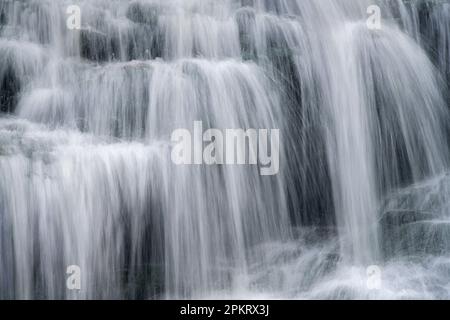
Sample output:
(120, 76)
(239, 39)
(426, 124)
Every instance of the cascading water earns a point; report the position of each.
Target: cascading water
(86, 176)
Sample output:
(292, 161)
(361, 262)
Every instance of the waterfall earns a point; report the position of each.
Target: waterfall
(86, 177)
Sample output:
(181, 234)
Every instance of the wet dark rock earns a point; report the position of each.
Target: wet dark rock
(313, 235)
(245, 19)
(3, 17)
(98, 46)
(414, 233)
(430, 196)
(424, 237)
(9, 90)
(145, 13)
(295, 259)
(432, 18)
(247, 3)
(143, 281)
(401, 217)
(438, 38)
(144, 42)
(44, 27)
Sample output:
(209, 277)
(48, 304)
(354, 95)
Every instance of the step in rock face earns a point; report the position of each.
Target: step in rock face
(19, 61)
(416, 220)
(394, 219)
(431, 196)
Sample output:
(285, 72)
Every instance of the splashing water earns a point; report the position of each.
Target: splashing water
(86, 177)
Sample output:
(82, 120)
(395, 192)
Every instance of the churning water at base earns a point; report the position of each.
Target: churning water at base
(86, 177)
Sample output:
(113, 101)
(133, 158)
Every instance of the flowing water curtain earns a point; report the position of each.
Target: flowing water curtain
(209, 218)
